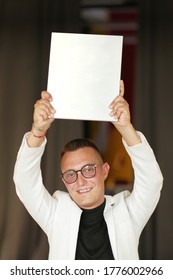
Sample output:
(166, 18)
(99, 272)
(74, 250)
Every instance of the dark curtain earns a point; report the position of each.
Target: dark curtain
(153, 114)
(25, 31)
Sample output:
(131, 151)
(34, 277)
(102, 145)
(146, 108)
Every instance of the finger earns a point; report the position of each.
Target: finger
(119, 104)
(121, 88)
(121, 94)
(47, 107)
(111, 106)
(41, 115)
(44, 104)
(119, 107)
(46, 95)
(116, 112)
(119, 99)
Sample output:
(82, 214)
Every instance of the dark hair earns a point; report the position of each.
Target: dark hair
(79, 143)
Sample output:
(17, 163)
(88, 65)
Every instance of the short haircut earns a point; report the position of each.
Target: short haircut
(79, 143)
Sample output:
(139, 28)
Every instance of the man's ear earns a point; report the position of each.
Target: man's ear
(105, 169)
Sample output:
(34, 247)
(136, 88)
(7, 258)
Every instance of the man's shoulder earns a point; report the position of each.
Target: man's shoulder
(61, 194)
(115, 199)
(65, 202)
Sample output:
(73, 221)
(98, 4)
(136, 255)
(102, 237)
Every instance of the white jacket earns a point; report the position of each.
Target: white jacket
(125, 214)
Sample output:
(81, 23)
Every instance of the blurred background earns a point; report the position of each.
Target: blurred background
(147, 70)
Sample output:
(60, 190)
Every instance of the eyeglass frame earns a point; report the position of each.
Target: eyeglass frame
(80, 170)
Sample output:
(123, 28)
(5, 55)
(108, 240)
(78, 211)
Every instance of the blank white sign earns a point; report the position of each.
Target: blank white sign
(84, 75)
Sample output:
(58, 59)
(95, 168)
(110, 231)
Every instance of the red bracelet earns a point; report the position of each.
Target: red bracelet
(42, 136)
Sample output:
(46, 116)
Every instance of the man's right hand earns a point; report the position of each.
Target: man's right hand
(43, 113)
(42, 118)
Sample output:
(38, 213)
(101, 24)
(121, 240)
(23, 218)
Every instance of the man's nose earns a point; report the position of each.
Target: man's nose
(81, 179)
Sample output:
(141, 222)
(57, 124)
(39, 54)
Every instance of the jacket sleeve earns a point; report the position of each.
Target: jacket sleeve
(29, 185)
(148, 182)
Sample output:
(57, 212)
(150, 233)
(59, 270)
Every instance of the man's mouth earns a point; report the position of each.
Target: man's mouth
(86, 190)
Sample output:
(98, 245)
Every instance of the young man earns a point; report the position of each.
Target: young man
(83, 223)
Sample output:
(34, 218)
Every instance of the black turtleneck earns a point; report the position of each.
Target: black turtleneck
(93, 240)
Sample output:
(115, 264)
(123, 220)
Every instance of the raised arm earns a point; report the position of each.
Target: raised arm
(148, 178)
(27, 172)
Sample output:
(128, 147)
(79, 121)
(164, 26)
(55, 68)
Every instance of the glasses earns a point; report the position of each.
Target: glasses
(87, 171)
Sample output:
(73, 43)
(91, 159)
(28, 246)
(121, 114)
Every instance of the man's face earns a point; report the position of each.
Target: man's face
(87, 193)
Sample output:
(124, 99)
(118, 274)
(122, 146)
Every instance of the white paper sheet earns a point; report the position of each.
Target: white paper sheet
(84, 75)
